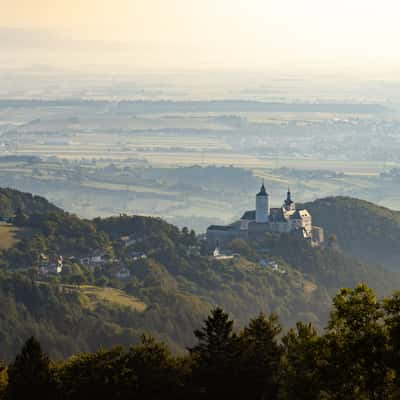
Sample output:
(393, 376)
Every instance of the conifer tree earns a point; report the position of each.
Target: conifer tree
(216, 357)
(156, 373)
(302, 359)
(30, 375)
(260, 358)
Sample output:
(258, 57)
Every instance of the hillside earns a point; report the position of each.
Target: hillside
(169, 281)
(363, 229)
(13, 200)
(61, 318)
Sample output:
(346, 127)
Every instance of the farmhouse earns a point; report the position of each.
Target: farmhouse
(47, 267)
(255, 223)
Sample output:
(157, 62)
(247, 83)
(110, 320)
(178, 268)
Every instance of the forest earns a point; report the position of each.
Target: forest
(173, 284)
(356, 356)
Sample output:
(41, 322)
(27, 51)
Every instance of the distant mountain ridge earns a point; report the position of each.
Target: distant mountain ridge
(224, 105)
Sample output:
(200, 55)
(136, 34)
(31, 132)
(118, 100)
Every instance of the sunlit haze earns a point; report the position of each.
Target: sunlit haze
(357, 36)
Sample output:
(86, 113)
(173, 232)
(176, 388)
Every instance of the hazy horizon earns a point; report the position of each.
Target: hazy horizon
(313, 37)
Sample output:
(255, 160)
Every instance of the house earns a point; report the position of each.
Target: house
(226, 255)
(7, 219)
(193, 251)
(137, 255)
(97, 257)
(44, 260)
(123, 273)
(129, 240)
(46, 267)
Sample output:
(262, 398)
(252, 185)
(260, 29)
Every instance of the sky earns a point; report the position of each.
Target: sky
(358, 36)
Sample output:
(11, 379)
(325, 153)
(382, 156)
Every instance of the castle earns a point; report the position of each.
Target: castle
(255, 223)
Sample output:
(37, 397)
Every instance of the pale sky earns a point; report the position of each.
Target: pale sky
(326, 35)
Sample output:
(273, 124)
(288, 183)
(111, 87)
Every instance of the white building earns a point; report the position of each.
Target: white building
(262, 206)
(123, 273)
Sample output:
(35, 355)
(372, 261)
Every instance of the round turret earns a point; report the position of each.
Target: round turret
(262, 205)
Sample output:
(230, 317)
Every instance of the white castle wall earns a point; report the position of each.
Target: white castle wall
(262, 209)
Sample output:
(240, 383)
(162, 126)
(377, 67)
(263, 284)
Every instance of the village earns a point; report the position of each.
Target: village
(98, 259)
(118, 264)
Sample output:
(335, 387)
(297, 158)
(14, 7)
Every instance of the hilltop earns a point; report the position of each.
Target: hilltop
(125, 275)
(13, 200)
(363, 229)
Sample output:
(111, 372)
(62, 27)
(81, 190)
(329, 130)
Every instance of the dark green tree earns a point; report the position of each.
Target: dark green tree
(151, 372)
(216, 357)
(302, 360)
(20, 218)
(391, 307)
(93, 375)
(260, 358)
(30, 375)
(358, 347)
(3, 379)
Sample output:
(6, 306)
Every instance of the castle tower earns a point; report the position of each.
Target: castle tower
(289, 203)
(262, 205)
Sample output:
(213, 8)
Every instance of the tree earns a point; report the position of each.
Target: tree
(260, 358)
(93, 375)
(30, 375)
(215, 357)
(301, 364)
(33, 273)
(357, 345)
(156, 374)
(391, 307)
(3, 379)
(20, 218)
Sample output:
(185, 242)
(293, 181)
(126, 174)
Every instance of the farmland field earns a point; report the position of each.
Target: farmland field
(198, 162)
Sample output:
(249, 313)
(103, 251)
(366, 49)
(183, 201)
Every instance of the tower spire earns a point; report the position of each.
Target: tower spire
(262, 192)
(289, 204)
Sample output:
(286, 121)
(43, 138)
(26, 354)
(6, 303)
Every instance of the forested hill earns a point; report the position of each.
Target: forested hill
(363, 229)
(126, 275)
(12, 201)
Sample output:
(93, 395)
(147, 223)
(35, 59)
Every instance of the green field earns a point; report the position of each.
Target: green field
(95, 295)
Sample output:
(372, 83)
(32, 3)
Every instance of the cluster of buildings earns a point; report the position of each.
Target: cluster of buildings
(101, 258)
(49, 266)
(254, 224)
(97, 259)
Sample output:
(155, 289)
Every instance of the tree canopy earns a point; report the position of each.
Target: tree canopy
(355, 357)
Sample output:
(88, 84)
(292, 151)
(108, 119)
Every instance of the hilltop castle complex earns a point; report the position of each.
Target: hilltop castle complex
(255, 223)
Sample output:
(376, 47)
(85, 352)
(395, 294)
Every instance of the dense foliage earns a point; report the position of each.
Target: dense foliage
(59, 317)
(363, 229)
(328, 266)
(355, 357)
(13, 200)
(53, 233)
(176, 283)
